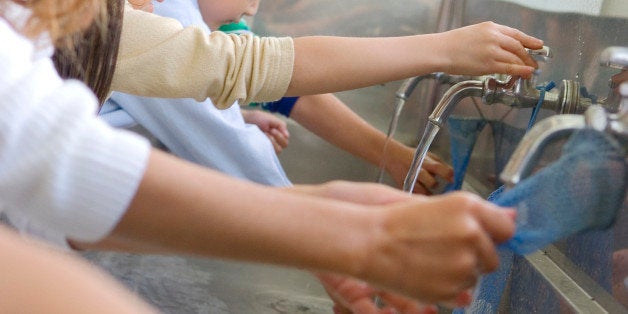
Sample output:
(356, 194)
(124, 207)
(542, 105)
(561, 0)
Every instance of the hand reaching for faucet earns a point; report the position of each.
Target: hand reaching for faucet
(326, 64)
(487, 48)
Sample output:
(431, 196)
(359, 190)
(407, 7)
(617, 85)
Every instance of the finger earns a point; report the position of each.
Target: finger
(281, 127)
(439, 168)
(434, 157)
(497, 222)
(427, 179)
(279, 138)
(488, 259)
(525, 39)
(524, 71)
(463, 299)
(364, 305)
(276, 146)
(339, 309)
(516, 52)
(420, 189)
(403, 304)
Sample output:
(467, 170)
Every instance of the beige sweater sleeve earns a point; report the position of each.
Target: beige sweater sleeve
(160, 58)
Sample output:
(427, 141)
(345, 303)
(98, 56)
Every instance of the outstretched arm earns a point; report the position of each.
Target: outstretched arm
(186, 63)
(327, 64)
(328, 117)
(396, 246)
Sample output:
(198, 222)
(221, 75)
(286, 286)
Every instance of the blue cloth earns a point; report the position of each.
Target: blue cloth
(463, 133)
(581, 191)
(198, 132)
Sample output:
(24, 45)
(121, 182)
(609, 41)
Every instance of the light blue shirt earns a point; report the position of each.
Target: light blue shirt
(197, 131)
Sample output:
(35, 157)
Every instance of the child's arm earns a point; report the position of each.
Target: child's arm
(396, 243)
(39, 279)
(327, 64)
(328, 117)
(161, 59)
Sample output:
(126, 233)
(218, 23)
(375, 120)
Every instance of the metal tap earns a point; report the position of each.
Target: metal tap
(515, 92)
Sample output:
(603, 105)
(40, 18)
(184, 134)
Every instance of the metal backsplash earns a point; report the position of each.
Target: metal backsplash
(597, 263)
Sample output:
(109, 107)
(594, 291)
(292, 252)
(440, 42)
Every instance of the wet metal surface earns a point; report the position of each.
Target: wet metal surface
(188, 285)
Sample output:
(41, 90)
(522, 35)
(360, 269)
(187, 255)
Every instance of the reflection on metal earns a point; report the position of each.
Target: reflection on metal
(615, 57)
(575, 287)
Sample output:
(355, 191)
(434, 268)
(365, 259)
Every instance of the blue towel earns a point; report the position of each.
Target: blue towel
(582, 191)
(463, 133)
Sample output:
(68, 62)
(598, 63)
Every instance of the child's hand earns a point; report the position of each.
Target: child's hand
(355, 296)
(398, 163)
(488, 48)
(271, 125)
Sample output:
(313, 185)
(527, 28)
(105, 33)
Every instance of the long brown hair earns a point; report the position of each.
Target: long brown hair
(91, 55)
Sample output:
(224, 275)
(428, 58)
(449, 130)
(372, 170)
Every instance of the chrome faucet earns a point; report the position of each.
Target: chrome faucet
(515, 92)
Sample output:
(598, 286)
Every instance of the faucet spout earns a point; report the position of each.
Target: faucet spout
(452, 97)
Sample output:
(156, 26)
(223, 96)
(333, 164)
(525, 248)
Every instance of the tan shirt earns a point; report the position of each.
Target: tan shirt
(160, 58)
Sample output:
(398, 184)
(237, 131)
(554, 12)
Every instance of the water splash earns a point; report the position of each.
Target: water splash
(389, 135)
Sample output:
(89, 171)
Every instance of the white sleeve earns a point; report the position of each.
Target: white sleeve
(63, 173)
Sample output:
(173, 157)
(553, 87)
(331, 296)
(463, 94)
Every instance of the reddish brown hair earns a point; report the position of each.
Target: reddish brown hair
(60, 18)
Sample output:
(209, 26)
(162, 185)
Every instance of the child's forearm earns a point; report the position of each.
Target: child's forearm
(200, 212)
(37, 279)
(390, 240)
(328, 117)
(327, 64)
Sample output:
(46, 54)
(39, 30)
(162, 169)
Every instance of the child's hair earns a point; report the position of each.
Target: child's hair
(91, 55)
(59, 18)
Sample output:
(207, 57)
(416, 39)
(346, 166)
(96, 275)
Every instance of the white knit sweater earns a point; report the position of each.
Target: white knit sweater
(63, 173)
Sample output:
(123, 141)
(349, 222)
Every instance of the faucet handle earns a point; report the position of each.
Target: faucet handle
(615, 57)
(542, 54)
